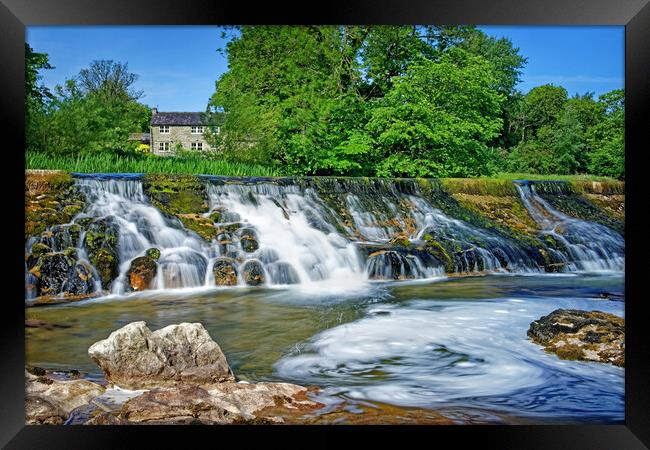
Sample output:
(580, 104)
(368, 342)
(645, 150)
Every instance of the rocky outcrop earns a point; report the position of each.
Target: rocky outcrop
(225, 403)
(100, 242)
(581, 335)
(50, 401)
(59, 274)
(190, 381)
(134, 357)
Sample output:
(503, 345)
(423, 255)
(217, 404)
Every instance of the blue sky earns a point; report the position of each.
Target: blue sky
(178, 65)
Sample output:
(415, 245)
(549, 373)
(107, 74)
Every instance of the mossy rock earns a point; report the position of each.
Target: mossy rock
(438, 251)
(225, 272)
(39, 249)
(100, 242)
(202, 226)
(581, 335)
(176, 194)
(153, 253)
(401, 240)
(51, 198)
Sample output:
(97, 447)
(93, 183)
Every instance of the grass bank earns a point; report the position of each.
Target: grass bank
(124, 163)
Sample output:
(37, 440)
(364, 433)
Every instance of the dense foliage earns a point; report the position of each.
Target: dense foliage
(96, 111)
(404, 101)
(423, 101)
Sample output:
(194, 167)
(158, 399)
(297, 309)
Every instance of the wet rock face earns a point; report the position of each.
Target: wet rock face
(225, 272)
(60, 273)
(248, 240)
(50, 401)
(389, 265)
(224, 403)
(51, 198)
(141, 273)
(100, 243)
(253, 273)
(581, 335)
(133, 357)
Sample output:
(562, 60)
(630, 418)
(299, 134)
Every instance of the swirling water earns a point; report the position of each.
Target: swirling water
(451, 345)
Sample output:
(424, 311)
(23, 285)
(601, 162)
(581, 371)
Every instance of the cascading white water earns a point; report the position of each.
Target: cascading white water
(425, 219)
(589, 246)
(183, 260)
(296, 242)
(288, 235)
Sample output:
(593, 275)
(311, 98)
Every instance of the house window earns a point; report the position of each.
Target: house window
(163, 146)
(164, 129)
(197, 145)
(197, 130)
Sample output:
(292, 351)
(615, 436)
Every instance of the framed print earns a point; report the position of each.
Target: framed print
(393, 218)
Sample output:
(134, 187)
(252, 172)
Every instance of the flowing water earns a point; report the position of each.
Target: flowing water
(456, 345)
(330, 312)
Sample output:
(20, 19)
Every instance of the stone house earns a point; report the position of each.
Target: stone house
(168, 129)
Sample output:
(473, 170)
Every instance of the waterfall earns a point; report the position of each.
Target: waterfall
(588, 246)
(318, 235)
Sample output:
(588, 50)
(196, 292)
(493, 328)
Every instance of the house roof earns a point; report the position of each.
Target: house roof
(179, 118)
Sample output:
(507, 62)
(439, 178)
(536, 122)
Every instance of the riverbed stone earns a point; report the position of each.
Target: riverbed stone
(223, 403)
(50, 401)
(225, 272)
(134, 357)
(141, 273)
(581, 335)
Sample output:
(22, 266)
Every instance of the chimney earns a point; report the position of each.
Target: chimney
(154, 110)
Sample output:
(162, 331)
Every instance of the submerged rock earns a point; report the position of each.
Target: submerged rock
(253, 273)
(581, 335)
(283, 273)
(133, 357)
(50, 401)
(225, 272)
(142, 272)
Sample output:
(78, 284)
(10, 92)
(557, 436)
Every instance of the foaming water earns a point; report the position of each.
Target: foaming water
(430, 353)
(589, 246)
(292, 231)
(294, 238)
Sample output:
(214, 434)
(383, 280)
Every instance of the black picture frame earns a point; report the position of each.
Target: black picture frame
(15, 15)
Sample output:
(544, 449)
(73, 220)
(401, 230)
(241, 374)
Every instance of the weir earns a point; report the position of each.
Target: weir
(301, 232)
(588, 246)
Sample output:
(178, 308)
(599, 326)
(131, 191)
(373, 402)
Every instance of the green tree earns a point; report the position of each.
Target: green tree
(37, 98)
(94, 119)
(438, 119)
(607, 137)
